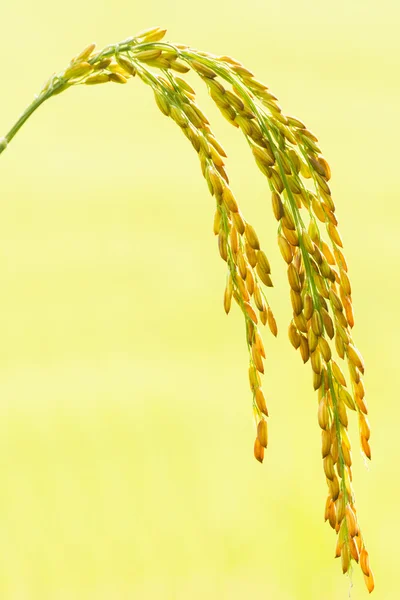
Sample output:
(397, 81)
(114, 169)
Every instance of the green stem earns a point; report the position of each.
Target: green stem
(27, 113)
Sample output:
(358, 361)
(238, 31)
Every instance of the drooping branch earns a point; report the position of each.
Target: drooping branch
(288, 155)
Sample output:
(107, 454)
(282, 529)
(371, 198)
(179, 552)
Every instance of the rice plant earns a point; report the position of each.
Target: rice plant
(289, 156)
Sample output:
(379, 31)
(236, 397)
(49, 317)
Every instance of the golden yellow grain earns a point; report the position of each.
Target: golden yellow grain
(214, 179)
(300, 323)
(251, 255)
(260, 401)
(327, 506)
(294, 122)
(304, 349)
(327, 253)
(245, 125)
(257, 359)
(337, 373)
(294, 186)
(351, 521)
(179, 67)
(334, 235)
(86, 53)
(364, 426)
(264, 276)
(96, 79)
(114, 67)
(328, 324)
(291, 236)
(77, 70)
(323, 414)
(162, 103)
(258, 299)
(222, 245)
(287, 220)
(126, 65)
(241, 286)
(202, 69)
(254, 378)
(252, 237)
(102, 64)
(146, 55)
(239, 222)
(118, 78)
(317, 380)
(325, 349)
(366, 447)
(259, 344)
(272, 322)
(316, 323)
(304, 170)
(355, 357)
(214, 143)
(334, 439)
(277, 206)
(263, 261)
(348, 308)
(312, 340)
(263, 156)
(364, 562)
(276, 181)
(329, 467)
(228, 294)
(345, 397)
(250, 312)
(318, 209)
(217, 222)
(332, 514)
(263, 316)
(154, 34)
(369, 581)
(355, 375)
(346, 455)
(317, 165)
(250, 328)
(297, 302)
(340, 259)
(334, 487)
(294, 336)
(262, 433)
(316, 363)
(345, 554)
(326, 443)
(234, 241)
(250, 283)
(258, 450)
(360, 388)
(293, 277)
(285, 249)
(340, 508)
(326, 167)
(308, 243)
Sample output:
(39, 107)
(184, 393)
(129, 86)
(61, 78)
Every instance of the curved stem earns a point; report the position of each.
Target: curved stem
(26, 114)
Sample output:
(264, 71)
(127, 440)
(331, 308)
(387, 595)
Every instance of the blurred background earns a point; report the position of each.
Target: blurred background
(126, 429)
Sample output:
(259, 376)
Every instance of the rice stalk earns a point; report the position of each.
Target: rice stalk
(288, 155)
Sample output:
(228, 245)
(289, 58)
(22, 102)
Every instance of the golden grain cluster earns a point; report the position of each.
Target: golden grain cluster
(288, 155)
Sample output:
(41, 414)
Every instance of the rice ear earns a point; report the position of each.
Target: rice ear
(289, 159)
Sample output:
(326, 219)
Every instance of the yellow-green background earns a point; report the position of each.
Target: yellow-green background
(126, 432)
